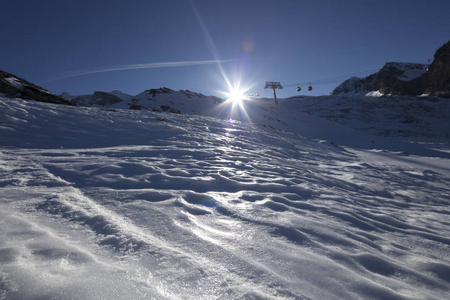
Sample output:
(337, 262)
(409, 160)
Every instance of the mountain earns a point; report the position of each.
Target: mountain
(14, 86)
(159, 100)
(98, 98)
(404, 79)
(437, 80)
(391, 77)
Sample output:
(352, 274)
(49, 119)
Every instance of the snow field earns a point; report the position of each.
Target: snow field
(99, 204)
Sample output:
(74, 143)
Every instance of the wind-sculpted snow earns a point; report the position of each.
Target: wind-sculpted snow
(99, 204)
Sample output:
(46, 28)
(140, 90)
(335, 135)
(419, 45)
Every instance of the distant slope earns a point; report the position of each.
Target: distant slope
(390, 121)
(98, 98)
(158, 100)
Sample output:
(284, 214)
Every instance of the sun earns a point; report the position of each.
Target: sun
(236, 95)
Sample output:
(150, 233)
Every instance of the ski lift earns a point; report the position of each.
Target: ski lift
(310, 87)
(257, 94)
(299, 89)
(251, 94)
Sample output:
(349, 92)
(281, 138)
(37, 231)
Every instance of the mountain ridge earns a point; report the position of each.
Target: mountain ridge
(14, 86)
(407, 79)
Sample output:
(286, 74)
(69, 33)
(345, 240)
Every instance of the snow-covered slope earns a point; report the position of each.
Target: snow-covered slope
(411, 118)
(279, 203)
(416, 117)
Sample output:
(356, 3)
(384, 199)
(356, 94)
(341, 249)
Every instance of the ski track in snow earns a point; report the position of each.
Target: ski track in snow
(122, 204)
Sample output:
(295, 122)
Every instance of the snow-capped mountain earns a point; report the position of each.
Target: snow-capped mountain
(14, 86)
(404, 79)
(383, 81)
(313, 198)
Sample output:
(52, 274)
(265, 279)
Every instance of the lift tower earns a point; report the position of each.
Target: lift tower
(273, 86)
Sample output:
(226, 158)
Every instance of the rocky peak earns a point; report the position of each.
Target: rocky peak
(438, 75)
(163, 90)
(14, 86)
(391, 77)
(403, 71)
(405, 78)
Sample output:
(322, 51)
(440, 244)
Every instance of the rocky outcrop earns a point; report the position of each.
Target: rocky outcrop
(13, 86)
(163, 90)
(393, 78)
(405, 78)
(437, 79)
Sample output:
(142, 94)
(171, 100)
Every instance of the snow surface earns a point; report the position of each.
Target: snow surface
(282, 202)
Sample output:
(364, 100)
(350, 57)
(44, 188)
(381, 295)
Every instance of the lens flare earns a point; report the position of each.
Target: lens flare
(236, 95)
(236, 101)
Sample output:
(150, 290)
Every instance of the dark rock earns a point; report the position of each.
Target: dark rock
(437, 79)
(13, 86)
(163, 90)
(135, 107)
(393, 78)
(167, 108)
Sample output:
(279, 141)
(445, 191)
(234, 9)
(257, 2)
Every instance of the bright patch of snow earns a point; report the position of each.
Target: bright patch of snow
(14, 82)
(301, 200)
(375, 94)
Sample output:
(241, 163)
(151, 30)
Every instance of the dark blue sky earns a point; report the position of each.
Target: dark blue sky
(90, 45)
